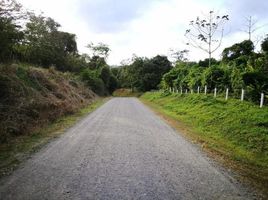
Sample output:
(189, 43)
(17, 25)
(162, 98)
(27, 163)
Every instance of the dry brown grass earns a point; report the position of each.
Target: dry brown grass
(31, 97)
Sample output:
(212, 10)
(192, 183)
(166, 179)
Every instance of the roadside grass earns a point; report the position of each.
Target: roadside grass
(20, 148)
(233, 132)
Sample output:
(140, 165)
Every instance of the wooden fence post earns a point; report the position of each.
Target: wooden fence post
(215, 92)
(242, 95)
(227, 93)
(262, 100)
(206, 88)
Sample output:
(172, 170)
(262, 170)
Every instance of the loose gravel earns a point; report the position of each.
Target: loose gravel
(121, 151)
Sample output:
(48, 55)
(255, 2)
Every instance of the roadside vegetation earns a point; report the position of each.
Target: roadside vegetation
(44, 78)
(234, 130)
(44, 81)
(42, 75)
(15, 151)
(32, 97)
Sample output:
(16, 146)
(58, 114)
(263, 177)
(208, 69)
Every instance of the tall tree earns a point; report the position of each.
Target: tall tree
(237, 50)
(251, 26)
(45, 45)
(178, 55)
(206, 34)
(10, 34)
(144, 74)
(100, 49)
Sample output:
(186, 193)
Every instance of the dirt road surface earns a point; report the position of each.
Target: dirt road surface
(121, 151)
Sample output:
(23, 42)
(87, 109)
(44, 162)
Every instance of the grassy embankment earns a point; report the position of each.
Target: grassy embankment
(233, 132)
(37, 105)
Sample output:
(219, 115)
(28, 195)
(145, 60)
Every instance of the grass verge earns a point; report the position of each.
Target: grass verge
(20, 148)
(232, 132)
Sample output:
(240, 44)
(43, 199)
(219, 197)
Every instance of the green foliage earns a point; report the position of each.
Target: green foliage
(93, 81)
(105, 75)
(216, 77)
(256, 83)
(205, 63)
(244, 48)
(113, 84)
(194, 77)
(10, 33)
(99, 50)
(45, 45)
(237, 81)
(177, 76)
(101, 81)
(264, 45)
(143, 74)
(240, 68)
(40, 42)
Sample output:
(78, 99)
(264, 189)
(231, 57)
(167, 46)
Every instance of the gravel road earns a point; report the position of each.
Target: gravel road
(120, 151)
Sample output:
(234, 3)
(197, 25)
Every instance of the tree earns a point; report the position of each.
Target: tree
(146, 74)
(153, 71)
(39, 43)
(45, 45)
(179, 55)
(100, 50)
(105, 75)
(256, 83)
(215, 77)
(205, 63)
(264, 45)
(10, 34)
(251, 26)
(203, 33)
(176, 76)
(237, 50)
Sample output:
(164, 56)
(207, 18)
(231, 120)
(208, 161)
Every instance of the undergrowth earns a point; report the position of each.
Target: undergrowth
(20, 148)
(31, 97)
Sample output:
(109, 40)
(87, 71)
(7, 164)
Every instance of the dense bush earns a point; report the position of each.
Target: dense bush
(143, 74)
(240, 68)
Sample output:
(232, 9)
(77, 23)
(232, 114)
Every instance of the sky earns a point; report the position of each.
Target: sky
(149, 27)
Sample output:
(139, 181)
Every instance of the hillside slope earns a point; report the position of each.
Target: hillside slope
(233, 132)
(30, 97)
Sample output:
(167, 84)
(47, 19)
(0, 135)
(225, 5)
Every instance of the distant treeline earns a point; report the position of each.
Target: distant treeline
(239, 68)
(36, 39)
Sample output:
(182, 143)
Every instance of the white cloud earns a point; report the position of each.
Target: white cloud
(154, 30)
